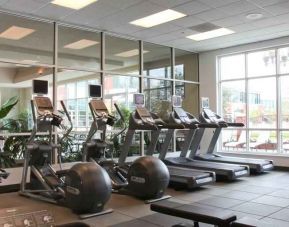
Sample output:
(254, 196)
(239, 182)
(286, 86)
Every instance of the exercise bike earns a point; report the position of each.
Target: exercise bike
(84, 188)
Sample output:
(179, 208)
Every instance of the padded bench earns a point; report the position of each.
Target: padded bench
(250, 222)
(213, 216)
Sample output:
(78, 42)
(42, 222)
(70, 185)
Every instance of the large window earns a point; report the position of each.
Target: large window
(254, 90)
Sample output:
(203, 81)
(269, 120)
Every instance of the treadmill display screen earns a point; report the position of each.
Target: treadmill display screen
(94, 91)
(177, 101)
(180, 112)
(139, 99)
(143, 112)
(40, 87)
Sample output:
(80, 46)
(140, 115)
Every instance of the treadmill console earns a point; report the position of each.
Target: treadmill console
(144, 115)
(182, 115)
(213, 117)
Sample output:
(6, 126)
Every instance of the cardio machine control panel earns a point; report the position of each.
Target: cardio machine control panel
(16, 217)
(43, 104)
(144, 115)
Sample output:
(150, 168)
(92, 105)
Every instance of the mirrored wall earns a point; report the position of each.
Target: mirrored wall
(71, 58)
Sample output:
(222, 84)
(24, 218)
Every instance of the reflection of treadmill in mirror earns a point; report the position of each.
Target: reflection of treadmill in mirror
(256, 165)
(222, 170)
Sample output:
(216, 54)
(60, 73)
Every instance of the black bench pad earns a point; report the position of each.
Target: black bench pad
(195, 213)
(250, 222)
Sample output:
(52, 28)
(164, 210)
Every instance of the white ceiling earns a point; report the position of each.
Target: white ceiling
(114, 16)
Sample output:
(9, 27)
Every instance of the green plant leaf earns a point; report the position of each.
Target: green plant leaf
(7, 106)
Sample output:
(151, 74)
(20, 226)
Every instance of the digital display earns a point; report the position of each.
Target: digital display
(94, 91)
(205, 102)
(139, 99)
(40, 87)
(176, 101)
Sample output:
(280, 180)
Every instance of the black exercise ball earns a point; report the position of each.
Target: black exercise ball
(148, 177)
(88, 188)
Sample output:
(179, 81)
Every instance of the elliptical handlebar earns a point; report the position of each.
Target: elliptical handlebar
(119, 112)
(122, 119)
(69, 119)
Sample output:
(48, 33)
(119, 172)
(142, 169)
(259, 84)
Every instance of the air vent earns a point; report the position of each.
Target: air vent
(205, 27)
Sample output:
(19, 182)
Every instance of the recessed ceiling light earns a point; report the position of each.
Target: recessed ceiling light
(81, 44)
(16, 33)
(73, 4)
(211, 34)
(254, 16)
(130, 53)
(158, 18)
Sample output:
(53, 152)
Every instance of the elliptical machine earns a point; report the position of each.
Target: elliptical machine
(146, 177)
(84, 188)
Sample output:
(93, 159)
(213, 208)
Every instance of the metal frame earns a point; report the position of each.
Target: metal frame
(278, 129)
(103, 73)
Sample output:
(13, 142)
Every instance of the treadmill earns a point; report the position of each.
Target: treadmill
(256, 165)
(192, 140)
(141, 119)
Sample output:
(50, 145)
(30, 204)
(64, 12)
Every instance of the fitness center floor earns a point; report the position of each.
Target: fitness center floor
(263, 196)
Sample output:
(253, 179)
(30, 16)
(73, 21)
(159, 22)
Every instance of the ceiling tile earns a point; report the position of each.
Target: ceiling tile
(25, 6)
(242, 27)
(188, 21)
(230, 21)
(169, 3)
(126, 29)
(217, 3)
(123, 17)
(284, 18)
(267, 2)
(86, 15)
(278, 9)
(192, 7)
(172, 35)
(123, 3)
(155, 31)
(52, 11)
(3, 1)
(181, 41)
(238, 7)
(266, 22)
(212, 14)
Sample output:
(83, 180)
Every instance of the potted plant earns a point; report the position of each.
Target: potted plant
(5, 157)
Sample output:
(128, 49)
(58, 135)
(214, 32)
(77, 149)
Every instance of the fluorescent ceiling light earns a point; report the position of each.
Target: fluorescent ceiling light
(211, 34)
(73, 4)
(16, 33)
(158, 18)
(81, 44)
(130, 53)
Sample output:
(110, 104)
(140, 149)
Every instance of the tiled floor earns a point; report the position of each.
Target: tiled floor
(263, 197)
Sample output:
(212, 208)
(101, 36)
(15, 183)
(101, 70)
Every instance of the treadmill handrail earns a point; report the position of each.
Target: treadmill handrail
(208, 125)
(235, 124)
